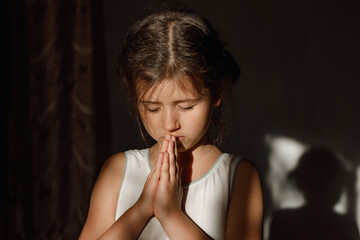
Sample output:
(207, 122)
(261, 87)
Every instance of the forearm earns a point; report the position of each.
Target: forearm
(128, 226)
(179, 226)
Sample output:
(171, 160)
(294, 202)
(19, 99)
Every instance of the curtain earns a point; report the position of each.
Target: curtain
(54, 120)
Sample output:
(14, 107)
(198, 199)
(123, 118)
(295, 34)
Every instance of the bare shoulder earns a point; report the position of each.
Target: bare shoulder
(114, 165)
(246, 170)
(103, 201)
(111, 173)
(245, 211)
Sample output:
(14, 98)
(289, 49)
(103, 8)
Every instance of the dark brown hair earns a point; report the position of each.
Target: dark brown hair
(177, 45)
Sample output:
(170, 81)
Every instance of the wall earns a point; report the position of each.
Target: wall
(300, 76)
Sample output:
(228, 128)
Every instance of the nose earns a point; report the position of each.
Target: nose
(170, 121)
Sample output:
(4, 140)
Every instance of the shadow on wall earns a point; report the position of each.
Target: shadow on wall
(320, 210)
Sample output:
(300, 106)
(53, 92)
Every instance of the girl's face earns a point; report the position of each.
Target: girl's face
(184, 113)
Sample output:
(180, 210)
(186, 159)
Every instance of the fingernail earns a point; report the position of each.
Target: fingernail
(173, 138)
(167, 137)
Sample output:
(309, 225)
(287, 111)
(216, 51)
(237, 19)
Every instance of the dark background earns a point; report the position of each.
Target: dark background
(300, 78)
(299, 62)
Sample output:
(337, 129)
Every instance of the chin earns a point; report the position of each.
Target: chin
(181, 147)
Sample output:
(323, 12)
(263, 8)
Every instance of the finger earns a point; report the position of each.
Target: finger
(164, 145)
(168, 137)
(173, 138)
(169, 147)
(177, 170)
(171, 152)
(174, 147)
(165, 168)
(176, 151)
(157, 164)
(172, 163)
(154, 175)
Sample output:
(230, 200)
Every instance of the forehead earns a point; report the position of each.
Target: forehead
(169, 89)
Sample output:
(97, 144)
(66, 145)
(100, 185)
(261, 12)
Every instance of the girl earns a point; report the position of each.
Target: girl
(183, 187)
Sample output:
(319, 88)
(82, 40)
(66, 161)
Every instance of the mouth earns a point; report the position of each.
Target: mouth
(178, 138)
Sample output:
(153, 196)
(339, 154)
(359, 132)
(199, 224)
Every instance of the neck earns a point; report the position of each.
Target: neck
(193, 159)
(194, 151)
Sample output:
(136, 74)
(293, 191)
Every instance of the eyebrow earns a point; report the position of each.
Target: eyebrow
(178, 101)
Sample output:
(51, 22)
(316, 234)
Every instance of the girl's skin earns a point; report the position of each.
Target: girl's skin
(178, 120)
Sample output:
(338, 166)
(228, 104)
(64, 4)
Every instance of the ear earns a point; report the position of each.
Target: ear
(217, 102)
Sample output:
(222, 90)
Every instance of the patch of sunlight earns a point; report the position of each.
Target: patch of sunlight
(284, 154)
(341, 206)
(357, 192)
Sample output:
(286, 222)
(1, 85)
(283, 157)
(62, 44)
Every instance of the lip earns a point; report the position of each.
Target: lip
(178, 138)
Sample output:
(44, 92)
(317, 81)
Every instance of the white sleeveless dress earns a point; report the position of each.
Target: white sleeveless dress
(206, 200)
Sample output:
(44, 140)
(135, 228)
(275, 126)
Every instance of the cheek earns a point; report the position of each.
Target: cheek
(206, 114)
(201, 120)
(150, 123)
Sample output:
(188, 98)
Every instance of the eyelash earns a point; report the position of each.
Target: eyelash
(152, 110)
(181, 108)
(187, 108)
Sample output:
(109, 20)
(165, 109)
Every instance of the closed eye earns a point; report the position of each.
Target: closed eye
(152, 110)
(151, 107)
(187, 108)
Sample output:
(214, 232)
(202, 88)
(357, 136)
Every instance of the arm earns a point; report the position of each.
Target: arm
(103, 198)
(179, 226)
(100, 221)
(245, 212)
